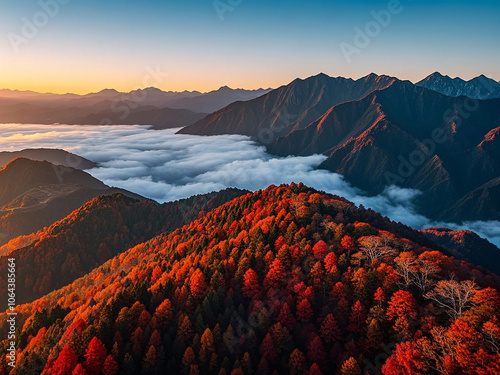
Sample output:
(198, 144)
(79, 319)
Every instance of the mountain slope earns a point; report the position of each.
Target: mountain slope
(466, 245)
(96, 232)
(284, 280)
(34, 194)
(287, 108)
(371, 141)
(477, 88)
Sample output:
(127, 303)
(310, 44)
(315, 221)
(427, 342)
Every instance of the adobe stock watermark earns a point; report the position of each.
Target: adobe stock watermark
(223, 6)
(363, 37)
(11, 315)
(32, 26)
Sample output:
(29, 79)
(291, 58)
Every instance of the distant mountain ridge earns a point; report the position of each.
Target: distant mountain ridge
(480, 87)
(150, 106)
(54, 156)
(105, 112)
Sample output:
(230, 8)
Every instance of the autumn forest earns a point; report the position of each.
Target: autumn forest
(287, 280)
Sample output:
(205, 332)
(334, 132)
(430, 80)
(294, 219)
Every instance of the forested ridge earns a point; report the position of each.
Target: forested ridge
(282, 281)
(93, 234)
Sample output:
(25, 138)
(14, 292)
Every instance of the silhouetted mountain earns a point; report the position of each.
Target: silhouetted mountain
(192, 100)
(96, 232)
(477, 88)
(215, 100)
(287, 108)
(149, 106)
(35, 194)
(287, 280)
(466, 245)
(32, 95)
(54, 156)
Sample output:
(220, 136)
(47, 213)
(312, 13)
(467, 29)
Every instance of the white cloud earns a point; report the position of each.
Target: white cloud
(164, 166)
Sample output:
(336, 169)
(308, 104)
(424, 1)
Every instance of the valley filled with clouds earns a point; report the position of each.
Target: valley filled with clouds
(165, 166)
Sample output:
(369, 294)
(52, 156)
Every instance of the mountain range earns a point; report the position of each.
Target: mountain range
(480, 87)
(379, 131)
(283, 280)
(287, 108)
(149, 106)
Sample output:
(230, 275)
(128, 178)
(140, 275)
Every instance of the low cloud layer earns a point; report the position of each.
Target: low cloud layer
(164, 166)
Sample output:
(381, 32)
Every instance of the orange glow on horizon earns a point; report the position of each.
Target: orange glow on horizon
(87, 86)
(83, 82)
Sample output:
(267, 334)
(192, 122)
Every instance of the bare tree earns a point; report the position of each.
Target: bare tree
(441, 346)
(406, 266)
(490, 332)
(453, 296)
(374, 247)
(414, 270)
(423, 278)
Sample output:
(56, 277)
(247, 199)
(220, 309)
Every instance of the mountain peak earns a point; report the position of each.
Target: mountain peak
(16, 162)
(322, 75)
(153, 89)
(480, 87)
(435, 76)
(312, 96)
(485, 80)
(22, 164)
(104, 92)
(108, 91)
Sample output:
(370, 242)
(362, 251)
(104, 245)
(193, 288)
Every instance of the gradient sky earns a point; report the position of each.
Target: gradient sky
(94, 44)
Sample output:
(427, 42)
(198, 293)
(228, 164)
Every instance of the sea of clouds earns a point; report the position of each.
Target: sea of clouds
(165, 166)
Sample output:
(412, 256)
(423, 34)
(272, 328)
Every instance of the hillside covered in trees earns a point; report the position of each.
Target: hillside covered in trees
(104, 227)
(282, 281)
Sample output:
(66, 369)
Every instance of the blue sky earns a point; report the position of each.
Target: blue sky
(89, 45)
